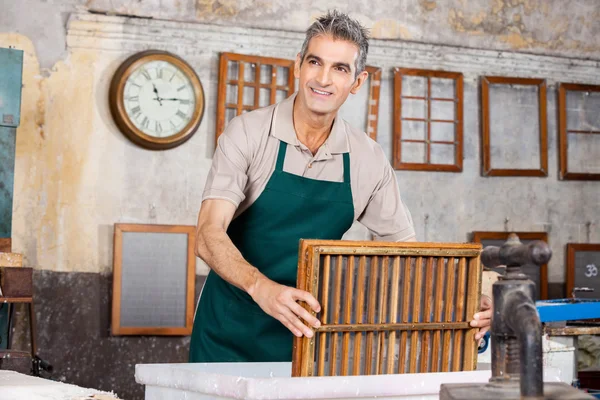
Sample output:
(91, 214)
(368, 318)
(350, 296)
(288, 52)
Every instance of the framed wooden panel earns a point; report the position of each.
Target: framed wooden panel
(428, 120)
(539, 275)
(583, 269)
(389, 308)
(154, 269)
(367, 100)
(373, 107)
(579, 131)
(250, 82)
(508, 154)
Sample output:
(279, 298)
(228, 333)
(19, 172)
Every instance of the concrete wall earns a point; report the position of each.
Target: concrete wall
(76, 174)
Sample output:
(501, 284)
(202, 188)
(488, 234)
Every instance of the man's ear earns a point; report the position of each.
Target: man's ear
(297, 66)
(360, 79)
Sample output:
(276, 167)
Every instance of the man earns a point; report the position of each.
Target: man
(281, 173)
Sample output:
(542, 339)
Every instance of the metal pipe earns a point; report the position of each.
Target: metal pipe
(523, 319)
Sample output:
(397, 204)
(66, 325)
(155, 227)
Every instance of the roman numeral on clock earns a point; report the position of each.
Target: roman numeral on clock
(146, 74)
(136, 111)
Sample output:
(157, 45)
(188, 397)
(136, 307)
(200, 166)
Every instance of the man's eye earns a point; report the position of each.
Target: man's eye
(342, 69)
(314, 62)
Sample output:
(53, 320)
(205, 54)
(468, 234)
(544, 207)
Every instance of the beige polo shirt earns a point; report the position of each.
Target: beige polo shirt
(247, 151)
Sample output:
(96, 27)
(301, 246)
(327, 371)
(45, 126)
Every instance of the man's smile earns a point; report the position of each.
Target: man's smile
(321, 92)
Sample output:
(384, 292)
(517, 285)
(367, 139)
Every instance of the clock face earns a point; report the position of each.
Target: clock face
(159, 99)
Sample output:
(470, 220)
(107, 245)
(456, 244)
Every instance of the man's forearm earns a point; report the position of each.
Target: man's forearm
(216, 249)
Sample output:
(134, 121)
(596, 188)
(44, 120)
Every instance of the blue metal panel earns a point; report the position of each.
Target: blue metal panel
(568, 309)
(11, 75)
(7, 172)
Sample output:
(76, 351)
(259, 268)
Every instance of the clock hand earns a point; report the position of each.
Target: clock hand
(172, 99)
(157, 96)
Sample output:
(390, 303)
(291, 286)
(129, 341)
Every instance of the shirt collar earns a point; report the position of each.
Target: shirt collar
(283, 128)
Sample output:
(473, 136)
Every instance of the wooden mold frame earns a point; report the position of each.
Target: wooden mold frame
(572, 249)
(486, 81)
(564, 132)
(257, 62)
(373, 107)
(399, 117)
(419, 324)
(116, 327)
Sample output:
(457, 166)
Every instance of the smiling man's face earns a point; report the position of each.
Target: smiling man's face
(327, 74)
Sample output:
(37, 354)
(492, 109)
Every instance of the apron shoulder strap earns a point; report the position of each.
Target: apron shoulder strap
(346, 167)
(281, 155)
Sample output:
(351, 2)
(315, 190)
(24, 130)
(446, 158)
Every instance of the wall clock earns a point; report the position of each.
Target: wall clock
(156, 99)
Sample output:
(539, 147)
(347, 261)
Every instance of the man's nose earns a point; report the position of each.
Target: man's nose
(324, 77)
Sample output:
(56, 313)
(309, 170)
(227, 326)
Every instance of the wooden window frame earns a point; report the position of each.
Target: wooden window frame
(259, 61)
(563, 132)
(487, 169)
(572, 248)
(479, 236)
(463, 259)
(373, 106)
(458, 122)
(116, 327)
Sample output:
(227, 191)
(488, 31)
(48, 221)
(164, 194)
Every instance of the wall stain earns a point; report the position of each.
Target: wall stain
(390, 29)
(216, 8)
(505, 20)
(428, 5)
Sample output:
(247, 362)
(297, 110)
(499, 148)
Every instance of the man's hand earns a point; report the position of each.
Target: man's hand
(279, 302)
(483, 318)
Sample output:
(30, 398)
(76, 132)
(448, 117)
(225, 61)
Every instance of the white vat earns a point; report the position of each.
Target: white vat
(269, 381)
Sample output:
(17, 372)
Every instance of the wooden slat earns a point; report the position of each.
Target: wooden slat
(406, 296)
(369, 247)
(257, 84)
(240, 101)
(399, 326)
(473, 299)
(300, 284)
(274, 84)
(416, 313)
(393, 318)
(307, 350)
(437, 310)
(347, 314)
(427, 315)
(448, 314)
(335, 306)
(359, 314)
(324, 315)
(428, 151)
(373, 274)
(383, 294)
(373, 108)
(461, 300)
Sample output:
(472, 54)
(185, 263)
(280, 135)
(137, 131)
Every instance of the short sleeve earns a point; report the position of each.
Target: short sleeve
(228, 174)
(386, 216)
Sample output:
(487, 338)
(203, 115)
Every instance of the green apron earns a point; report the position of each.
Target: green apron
(229, 326)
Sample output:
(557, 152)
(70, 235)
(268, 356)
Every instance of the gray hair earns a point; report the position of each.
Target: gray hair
(340, 26)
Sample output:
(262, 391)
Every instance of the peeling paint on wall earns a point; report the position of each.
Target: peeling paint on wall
(390, 29)
(517, 24)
